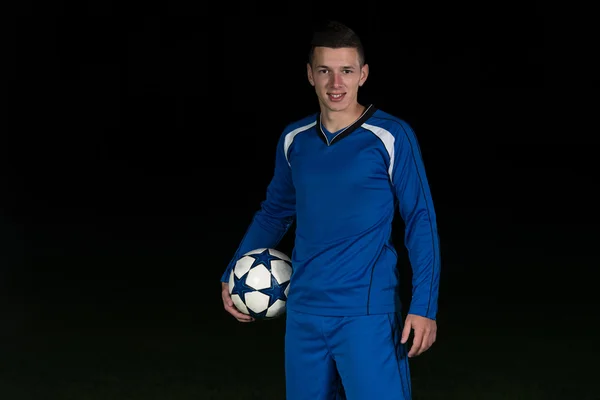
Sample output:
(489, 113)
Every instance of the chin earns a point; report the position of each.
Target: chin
(335, 106)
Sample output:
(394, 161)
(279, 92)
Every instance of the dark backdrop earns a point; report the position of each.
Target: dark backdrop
(139, 143)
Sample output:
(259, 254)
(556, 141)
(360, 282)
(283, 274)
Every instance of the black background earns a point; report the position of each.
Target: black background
(139, 142)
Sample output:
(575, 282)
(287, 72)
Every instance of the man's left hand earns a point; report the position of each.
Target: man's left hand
(425, 333)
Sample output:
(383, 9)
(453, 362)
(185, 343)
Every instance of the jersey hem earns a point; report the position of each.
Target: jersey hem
(345, 311)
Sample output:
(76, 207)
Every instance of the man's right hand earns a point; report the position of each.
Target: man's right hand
(230, 307)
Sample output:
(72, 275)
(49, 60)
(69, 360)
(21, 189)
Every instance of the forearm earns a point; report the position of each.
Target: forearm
(265, 231)
(422, 242)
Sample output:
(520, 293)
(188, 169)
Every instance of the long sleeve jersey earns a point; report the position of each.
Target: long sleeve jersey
(343, 189)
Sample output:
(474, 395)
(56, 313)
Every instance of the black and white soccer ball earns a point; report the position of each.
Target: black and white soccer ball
(259, 283)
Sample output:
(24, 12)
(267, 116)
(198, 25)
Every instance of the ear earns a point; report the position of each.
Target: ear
(309, 74)
(364, 74)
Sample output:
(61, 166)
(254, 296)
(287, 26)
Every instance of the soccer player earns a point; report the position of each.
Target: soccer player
(341, 173)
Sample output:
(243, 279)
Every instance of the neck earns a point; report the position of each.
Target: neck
(335, 120)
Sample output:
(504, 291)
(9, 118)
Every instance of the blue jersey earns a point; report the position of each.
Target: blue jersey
(343, 189)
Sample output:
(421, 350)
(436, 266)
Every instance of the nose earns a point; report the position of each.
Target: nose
(336, 80)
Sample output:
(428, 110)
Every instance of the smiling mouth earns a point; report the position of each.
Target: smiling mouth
(336, 96)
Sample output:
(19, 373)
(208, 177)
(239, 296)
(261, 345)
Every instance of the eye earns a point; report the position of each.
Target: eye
(322, 71)
(348, 71)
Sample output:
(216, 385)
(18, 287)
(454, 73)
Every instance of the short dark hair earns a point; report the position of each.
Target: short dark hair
(335, 34)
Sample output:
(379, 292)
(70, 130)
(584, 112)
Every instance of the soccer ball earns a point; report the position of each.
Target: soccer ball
(259, 283)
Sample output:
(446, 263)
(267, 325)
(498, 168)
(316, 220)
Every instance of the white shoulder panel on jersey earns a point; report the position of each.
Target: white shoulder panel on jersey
(289, 138)
(388, 141)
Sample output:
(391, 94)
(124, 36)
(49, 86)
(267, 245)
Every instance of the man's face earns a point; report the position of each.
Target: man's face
(336, 75)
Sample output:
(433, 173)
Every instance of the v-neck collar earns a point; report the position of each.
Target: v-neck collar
(342, 133)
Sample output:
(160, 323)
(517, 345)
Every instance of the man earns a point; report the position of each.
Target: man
(341, 173)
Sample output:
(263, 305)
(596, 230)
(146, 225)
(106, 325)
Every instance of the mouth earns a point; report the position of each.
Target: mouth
(335, 97)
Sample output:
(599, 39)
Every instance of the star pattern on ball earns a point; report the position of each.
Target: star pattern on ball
(276, 291)
(240, 287)
(263, 258)
(260, 315)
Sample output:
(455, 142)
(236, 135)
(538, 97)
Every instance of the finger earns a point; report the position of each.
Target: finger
(238, 315)
(426, 344)
(432, 337)
(406, 331)
(417, 343)
(414, 350)
(245, 318)
(231, 308)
